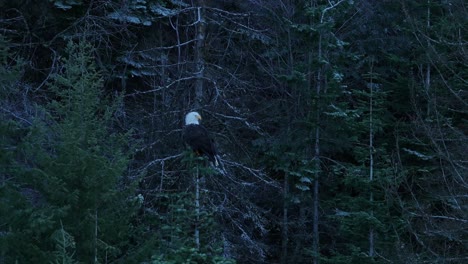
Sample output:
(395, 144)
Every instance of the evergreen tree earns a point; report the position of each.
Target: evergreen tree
(183, 226)
(341, 124)
(18, 229)
(432, 144)
(76, 165)
(359, 211)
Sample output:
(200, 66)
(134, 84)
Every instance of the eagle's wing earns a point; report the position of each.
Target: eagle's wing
(198, 138)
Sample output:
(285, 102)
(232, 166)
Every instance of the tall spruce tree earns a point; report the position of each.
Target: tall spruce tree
(13, 128)
(85, 168)
(75, 165)
(432, 148)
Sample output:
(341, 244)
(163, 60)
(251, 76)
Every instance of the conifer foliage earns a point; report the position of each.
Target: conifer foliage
(75, 167)
(341, 126)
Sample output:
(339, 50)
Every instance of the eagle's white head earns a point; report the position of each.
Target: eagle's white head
(192, 118)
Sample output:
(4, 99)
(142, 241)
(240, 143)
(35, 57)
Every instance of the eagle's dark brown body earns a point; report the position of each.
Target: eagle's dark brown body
(197, 137)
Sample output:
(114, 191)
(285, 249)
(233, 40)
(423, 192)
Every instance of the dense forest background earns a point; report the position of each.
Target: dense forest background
(342, 127)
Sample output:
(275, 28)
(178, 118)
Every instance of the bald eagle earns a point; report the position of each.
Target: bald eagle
(197, 137)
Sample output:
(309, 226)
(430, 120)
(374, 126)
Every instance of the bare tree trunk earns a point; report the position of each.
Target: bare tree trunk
(371, 160)
(285, 225)
(318, 88)
(284, 233)
(199, 73)
(316, 157)
(95, 235)
(199, 58)
(427, 79)
(315, 222)
(197, 209)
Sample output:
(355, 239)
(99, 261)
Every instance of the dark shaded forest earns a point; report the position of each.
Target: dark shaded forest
(341, 127)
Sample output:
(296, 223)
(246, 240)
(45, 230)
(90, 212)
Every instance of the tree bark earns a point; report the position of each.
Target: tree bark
(316, 157)
(197, 209)
(284, 233)
(199, 56)
(95, 235)
(371, 161)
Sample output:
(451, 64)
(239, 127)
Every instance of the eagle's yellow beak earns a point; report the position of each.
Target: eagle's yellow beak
(199, 117)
